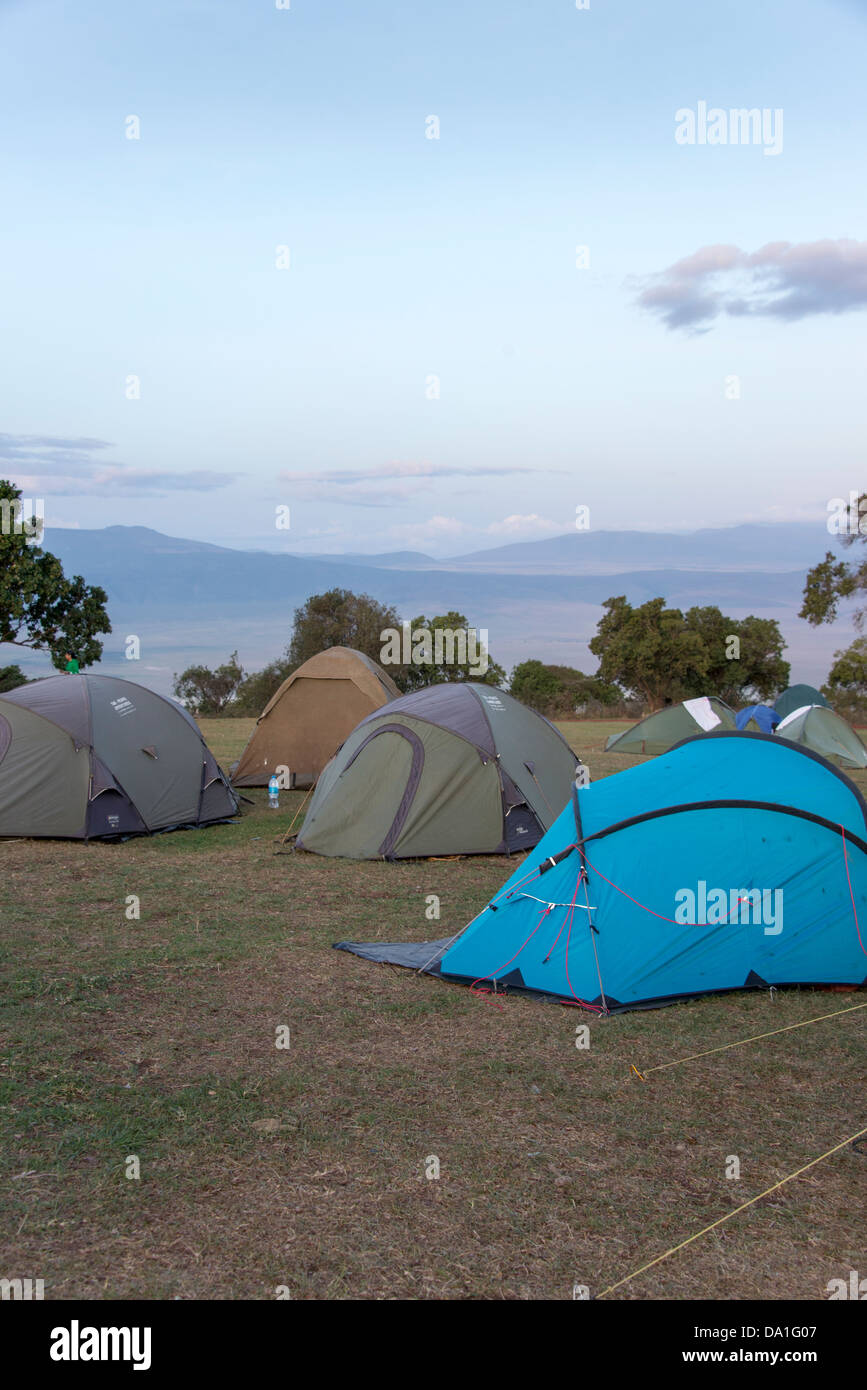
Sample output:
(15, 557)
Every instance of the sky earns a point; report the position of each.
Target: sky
(401, 276)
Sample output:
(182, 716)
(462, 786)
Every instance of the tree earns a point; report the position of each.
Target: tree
(578, 689)
(750, 667)
(535, 685)
(558, 691)
(834, 579)
(11, 677)
(206, 691)
(657, 652)
(449, 656)
(648, 651)
(39, 607)
(847, 678)
(339, 618)
(256, 690)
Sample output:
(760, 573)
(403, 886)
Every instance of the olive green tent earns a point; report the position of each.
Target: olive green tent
(819, 728)
(661, 731)
(307, 719)
(85, 756)
(796, 697)
(456, 768)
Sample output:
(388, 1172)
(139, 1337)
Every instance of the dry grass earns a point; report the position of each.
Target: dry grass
(306, 1167)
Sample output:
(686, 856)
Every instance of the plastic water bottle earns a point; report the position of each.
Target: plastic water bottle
(274, 793)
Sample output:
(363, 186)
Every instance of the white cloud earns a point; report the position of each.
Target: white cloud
(781, 280)
(436, 528)
(529, 525)
(408, 469)
(403, 481)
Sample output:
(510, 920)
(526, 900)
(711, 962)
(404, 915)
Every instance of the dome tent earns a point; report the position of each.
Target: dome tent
(757, 719)
(84, 756)
(676, 878)
(656, 733)
(307, 719)
(455, 768)
(819, 728)
(796, 697)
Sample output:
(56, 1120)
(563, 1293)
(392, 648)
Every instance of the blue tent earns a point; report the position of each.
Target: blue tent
(765, 718)
(734, 861)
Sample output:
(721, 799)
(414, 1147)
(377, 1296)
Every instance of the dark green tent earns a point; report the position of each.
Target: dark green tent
(457, 768)
(796, 697)
(661, 731)
(85, 756)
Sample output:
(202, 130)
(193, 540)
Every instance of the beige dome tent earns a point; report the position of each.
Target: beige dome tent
(313, 712)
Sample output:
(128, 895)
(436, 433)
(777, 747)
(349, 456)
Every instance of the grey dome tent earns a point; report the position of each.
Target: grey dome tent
(659, 732)
(85, 756)
(456, 768)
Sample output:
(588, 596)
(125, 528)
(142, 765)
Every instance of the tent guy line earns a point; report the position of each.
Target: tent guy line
(742, 1042)
(721, 1221)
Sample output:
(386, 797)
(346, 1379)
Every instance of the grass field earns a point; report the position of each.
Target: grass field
(306, 1167)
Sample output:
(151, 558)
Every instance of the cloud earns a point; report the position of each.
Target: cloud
(449, 528)
(531, 524)
(781, 280)
(138, 481)
(11, 444)
(364, 487)
(351, 495)
(436, 528)
(65, 468)
(403, 470)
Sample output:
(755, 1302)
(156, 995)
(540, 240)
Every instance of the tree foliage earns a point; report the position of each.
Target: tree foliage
(39, 607)
(648, 651)
(339, 618)
(660, 653)
(758, 670)
(209, 692)
(11, 677)
(834, 579)
(459, 660)
(847, 678)
(256, 689)
(559, 691)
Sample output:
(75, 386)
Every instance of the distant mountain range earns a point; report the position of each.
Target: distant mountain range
(752, 546)
(191, 601)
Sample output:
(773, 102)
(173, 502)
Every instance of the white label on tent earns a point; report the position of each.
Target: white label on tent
(702, 712)
(796, 714)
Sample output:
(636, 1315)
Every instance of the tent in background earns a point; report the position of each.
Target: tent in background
(819, 728)
(796, 697)
(456, 768)
(85, 756)
(658, 732)
(307, 719)
(757, 719)
(677, 877)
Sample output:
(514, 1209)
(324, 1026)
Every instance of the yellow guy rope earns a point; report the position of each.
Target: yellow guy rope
(711, 1050)
(297, 814)
(674, 1249)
